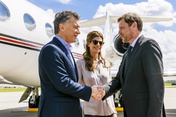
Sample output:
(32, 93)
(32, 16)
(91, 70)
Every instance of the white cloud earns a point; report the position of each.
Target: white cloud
(155, 8)
(64, 1)
(160, 8)
(150, 8)
(165, 38)
(51, 12)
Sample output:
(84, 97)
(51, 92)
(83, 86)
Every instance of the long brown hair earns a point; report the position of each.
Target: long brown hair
(87, 56)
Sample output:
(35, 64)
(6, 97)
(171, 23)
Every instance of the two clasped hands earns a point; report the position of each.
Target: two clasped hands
(97, 92)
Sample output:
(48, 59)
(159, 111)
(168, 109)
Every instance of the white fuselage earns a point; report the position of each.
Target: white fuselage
(20, 47)
(21, 41)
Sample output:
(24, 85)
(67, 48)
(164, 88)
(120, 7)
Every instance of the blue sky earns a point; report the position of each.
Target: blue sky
(164, 33)
(86, 8)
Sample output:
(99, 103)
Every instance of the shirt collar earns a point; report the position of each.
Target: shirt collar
(134, 42)
(67, 46)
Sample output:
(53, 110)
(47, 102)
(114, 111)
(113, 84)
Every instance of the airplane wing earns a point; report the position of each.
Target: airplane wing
(93, 22)
(113, 19)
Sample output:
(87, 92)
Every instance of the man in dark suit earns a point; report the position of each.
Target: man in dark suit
(60, 91)
(140, 75)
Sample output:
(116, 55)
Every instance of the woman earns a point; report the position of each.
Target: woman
(93, 69)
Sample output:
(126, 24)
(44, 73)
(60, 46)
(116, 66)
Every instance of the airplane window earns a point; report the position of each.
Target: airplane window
(77, 42)
(29, 22)
(4, 12)
(49, 30)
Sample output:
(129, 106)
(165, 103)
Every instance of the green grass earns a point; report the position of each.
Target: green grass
(12, 89)
(167, 85)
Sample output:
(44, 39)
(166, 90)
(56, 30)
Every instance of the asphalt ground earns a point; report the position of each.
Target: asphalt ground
(9, 106)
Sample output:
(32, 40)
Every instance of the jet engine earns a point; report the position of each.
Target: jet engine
(118, 46)
(116, 50)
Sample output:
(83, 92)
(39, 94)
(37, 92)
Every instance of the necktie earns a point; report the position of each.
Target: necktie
(127, 59)
(129, 52)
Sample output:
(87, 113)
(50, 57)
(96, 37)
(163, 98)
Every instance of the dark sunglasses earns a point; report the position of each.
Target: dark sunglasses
(95, 42)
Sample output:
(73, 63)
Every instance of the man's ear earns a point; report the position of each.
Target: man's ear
(61, 27)
(134, 24)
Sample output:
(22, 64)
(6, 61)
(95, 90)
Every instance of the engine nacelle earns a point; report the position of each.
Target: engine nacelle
(116, 50)
(118, 46)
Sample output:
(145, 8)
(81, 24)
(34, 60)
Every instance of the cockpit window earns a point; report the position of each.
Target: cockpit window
(4, 12)
(49, 30)
(29, 22)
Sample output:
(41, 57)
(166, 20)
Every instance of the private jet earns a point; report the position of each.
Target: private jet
(25, 28)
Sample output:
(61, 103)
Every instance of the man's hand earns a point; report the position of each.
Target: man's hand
(97, 92)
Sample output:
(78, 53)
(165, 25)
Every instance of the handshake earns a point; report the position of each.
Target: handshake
(97, 92)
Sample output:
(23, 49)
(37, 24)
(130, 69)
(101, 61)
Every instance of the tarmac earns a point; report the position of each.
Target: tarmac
(9, 106)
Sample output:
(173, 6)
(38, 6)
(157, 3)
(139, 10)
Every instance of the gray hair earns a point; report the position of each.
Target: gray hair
(62, 17)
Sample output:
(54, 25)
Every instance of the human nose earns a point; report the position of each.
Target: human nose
(119, 32)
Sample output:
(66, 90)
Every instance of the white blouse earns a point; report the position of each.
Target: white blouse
(99, 76)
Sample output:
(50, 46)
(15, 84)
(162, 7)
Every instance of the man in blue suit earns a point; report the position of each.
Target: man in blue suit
(60, 91)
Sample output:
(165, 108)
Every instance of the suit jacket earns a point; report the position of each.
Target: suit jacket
(142, 84)
(60, 91)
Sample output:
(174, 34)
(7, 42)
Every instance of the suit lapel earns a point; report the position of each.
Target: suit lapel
(75, 67)
(136, 47)
(62, 47)
(70, 56)
(122, 69)
(134, 51)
